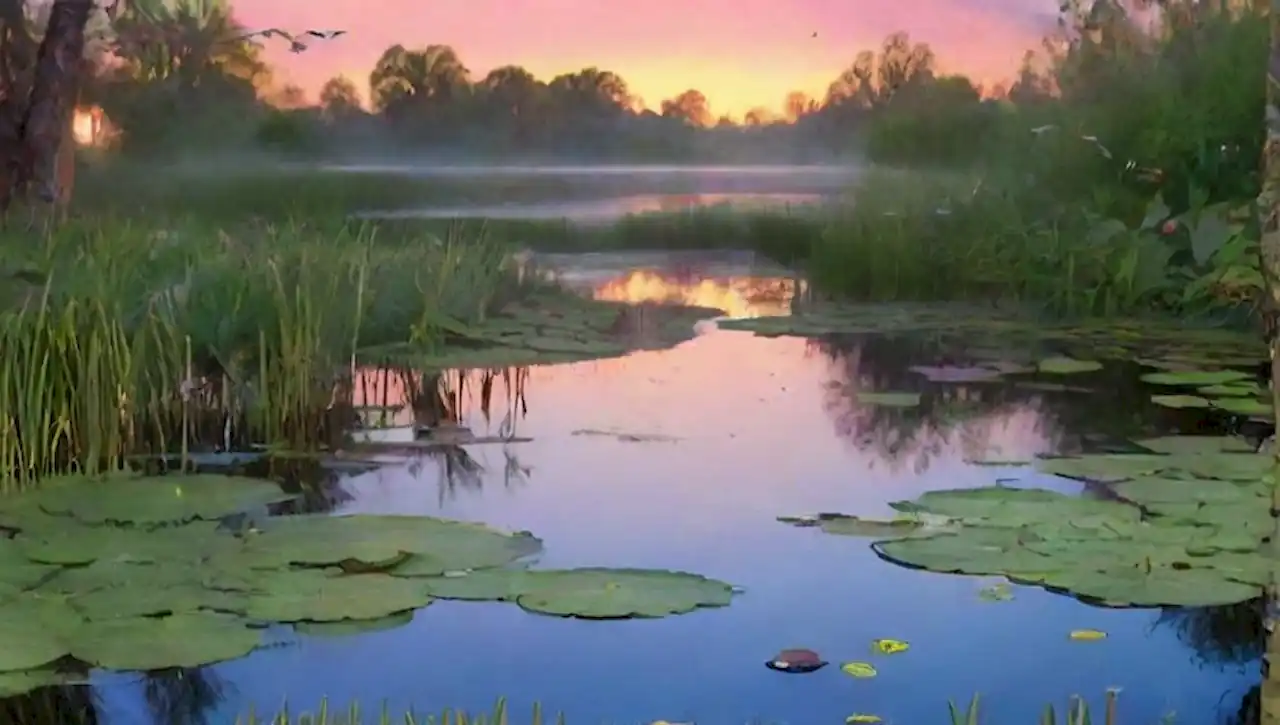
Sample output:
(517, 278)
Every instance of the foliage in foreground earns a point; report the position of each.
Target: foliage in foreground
(1077, 712)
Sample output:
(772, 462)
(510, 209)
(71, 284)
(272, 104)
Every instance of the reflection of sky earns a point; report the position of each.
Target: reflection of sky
(756, 443)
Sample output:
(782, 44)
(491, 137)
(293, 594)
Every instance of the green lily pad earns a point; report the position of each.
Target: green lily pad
(323, 596)
(482, 585)
(1242, 389)
(844, 525)
(149, 643)
(1180, 401)
(1195, 378)
(157, 500)
(1067, 366)
(413, 545)
(889, 399)
(1244, 406)
(619, 593)
(346, 627)
(1193, 445)
(35, 632)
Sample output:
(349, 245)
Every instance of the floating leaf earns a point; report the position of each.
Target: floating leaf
(858, 669)
(863, 718)
(1067, 366)
(619, 593)
(156, 500)
(1087, 635)
(346, 627)
(1244, 406)
(182, 640)
(996, 593)
(1180, 401)
(948, 374)
(1195, 378)
(889, 646)
(321, 596)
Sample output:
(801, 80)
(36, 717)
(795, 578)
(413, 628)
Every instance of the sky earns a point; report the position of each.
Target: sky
(741, 54)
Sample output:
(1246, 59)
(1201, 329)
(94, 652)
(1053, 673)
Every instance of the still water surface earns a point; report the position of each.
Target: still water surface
(761, 427)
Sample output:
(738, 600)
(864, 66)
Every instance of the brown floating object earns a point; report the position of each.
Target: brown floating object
(796, 661)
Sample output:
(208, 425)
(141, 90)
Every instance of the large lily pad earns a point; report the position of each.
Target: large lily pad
(35, 632)
(325, 596)
(619, 593)
(1195, 378)
(156, 500)
(148, 643)
(414, 545)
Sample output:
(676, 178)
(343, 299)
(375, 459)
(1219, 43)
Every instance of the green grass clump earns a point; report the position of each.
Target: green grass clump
(113, 334)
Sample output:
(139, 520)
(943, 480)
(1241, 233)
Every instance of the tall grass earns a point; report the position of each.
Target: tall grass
(124, 336)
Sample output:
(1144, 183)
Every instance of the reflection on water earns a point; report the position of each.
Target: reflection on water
(601, 210)
(592, 171)
(751, 428)
(736, 296)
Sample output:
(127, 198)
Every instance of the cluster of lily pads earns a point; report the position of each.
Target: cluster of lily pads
(998, 344)
(550, 328)
(1183, 524)
(127, 572)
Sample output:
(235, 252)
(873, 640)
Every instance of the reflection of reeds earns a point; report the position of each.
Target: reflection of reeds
(64, 705)
(182, 696)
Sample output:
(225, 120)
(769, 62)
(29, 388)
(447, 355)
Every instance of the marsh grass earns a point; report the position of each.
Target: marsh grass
(134, 336)
(352, 716)
(1077, 712)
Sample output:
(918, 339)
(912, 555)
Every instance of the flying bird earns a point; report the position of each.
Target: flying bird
(815, 34)
(295, 45)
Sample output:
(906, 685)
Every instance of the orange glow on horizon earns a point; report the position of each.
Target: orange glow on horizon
(742, 54)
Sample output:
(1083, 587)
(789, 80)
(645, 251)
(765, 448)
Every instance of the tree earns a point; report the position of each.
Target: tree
(590, 92)
(797, 105)
(339, 97)
(690, 108)
(758, 116)
(38, 91)
(902, 64)
(417, 82)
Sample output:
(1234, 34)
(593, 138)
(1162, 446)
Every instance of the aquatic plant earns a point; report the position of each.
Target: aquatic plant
(100, 563)
(352, 716)
(1185, 526)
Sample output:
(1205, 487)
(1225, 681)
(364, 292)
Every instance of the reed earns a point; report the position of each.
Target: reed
(131, 340)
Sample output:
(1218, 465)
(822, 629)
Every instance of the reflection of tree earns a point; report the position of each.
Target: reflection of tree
(1219, 636)
(969, 417)
(67, 705)
(182, 696)
(1224, 636)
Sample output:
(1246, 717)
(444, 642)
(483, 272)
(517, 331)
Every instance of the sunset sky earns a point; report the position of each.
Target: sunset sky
(740, 53)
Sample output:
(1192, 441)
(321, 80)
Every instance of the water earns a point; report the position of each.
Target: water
(763, 427)
(606, 193)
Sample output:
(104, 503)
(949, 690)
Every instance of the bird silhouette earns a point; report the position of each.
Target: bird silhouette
(815, 34)
(295, 45)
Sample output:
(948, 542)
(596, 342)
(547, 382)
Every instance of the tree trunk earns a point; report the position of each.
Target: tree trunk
(1269, 208)
(39, 91)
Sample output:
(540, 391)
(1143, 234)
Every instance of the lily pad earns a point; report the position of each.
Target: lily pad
(148, 643)
(1180, 401)
(1195, 378)
(157, 500)
(323, 596)
(409, 545)
(1244, 406)
(620, 593)
(889, 399)
(1067, 366)
(796, 661)
(35, 632)
(347, 627)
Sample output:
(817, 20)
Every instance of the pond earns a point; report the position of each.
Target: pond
(683, 459)
(604, 193)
